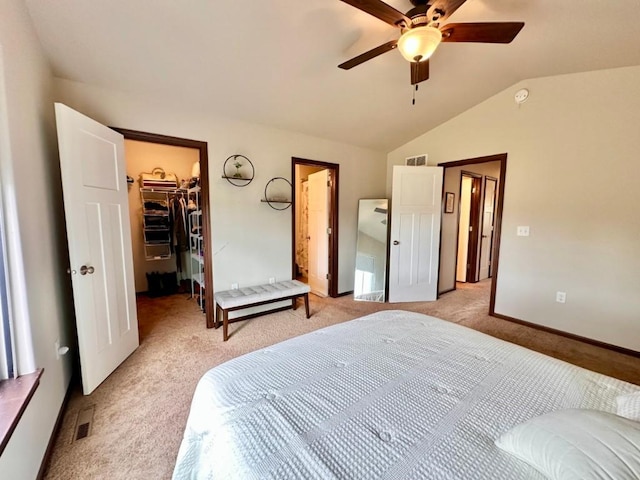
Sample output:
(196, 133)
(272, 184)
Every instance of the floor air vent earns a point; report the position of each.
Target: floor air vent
(83, 423)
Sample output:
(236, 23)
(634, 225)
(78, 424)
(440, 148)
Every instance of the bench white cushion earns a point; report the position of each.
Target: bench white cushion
(260, 293)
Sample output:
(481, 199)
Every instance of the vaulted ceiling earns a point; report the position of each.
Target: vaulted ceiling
(274, 62)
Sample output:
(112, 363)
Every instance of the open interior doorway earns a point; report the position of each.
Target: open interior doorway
(169, 216)
(470, 232)
(468, 227)
(315, 225)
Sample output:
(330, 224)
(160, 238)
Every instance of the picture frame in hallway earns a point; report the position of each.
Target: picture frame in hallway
(448, 202)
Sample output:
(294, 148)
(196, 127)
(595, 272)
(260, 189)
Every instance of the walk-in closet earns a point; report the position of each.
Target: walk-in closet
(165, 210)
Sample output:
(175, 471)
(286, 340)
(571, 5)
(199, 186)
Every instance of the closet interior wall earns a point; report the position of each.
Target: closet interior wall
(144, 157)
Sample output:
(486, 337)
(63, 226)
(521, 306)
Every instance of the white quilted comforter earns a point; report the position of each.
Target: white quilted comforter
(393, 395)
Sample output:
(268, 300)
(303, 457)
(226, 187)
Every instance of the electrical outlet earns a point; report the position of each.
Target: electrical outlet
(272, 279)
(561, 297)
(522, 231)
(234, 286)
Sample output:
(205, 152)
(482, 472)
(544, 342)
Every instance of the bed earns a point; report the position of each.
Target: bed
(394, 394)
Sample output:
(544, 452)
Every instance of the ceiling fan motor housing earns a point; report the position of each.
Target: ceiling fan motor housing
(419, 14)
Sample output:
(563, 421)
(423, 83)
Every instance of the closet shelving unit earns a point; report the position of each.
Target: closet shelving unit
(155, 223)
(196, 247)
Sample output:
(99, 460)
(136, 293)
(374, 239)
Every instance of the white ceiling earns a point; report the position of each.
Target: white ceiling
(274, 62)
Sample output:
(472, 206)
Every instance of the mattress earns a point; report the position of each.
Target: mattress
(394, 395)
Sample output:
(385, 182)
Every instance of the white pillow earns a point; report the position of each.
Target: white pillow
(629, 406)
(577, 444)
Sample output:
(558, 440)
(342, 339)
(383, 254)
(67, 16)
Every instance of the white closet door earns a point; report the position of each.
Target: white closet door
(94, 182)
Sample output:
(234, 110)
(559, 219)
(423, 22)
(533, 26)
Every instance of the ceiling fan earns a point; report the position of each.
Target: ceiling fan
(422, 33)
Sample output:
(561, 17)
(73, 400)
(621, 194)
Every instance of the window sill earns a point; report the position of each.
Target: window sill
(15, 395)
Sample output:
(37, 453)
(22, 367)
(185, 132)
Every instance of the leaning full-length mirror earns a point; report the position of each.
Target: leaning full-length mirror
(371, 250)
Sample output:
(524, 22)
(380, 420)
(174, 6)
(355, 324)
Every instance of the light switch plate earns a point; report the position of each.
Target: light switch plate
(523, 231)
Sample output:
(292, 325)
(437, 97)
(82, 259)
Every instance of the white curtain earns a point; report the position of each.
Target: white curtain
(302, 244)
(16, 345)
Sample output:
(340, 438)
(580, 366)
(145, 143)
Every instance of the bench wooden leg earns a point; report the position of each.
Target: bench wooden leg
(306, 304)
(217, 319)
(225, 325)
(294, 303)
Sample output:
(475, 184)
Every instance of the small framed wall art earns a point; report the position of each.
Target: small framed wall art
(449, 198)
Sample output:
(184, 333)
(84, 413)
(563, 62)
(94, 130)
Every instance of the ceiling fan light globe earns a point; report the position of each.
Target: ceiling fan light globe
(419, 43)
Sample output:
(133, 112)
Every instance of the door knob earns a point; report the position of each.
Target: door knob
(396, 242)
(84, 270)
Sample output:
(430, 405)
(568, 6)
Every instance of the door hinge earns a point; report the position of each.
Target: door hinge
(328, 230)
(328, 183)
(471, 228)
(328, 276)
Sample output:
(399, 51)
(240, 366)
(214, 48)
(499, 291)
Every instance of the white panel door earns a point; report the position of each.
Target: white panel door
(415, 234)
(488, 214)
(94, 182)
(319, 232)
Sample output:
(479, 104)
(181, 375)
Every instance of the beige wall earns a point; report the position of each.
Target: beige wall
(144, 157)
(251, 242)
(448, 245)
(571, 176)
(32, 196)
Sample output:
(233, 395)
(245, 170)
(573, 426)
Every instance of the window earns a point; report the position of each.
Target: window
(7, 369)
(16, 348)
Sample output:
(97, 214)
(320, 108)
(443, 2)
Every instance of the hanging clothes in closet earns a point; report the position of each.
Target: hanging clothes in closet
(178, 214)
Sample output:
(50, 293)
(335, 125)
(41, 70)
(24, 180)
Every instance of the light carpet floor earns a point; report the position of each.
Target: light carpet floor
(141, 409)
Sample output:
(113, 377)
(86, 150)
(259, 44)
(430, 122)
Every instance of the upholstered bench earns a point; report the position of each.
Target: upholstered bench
(229, 300)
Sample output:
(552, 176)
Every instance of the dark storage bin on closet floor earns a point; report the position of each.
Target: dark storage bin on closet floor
(162, 283)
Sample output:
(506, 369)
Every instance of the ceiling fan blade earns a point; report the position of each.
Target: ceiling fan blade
(381, 10)
(419, 72)
(354, 62)
(481, 32)
(443, 9)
